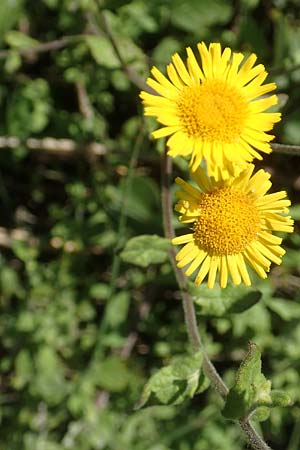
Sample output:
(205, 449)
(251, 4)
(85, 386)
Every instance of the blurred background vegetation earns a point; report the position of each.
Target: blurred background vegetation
(81, 329)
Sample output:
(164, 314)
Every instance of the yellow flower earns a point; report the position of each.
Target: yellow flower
(216, 112)
(233, 221)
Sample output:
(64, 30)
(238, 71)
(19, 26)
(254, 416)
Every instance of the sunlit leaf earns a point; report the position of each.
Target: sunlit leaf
(145, 250)
(180, 380)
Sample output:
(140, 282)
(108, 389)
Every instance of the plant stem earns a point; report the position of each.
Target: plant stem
(286, 149)
(254, 439)
(43, 47)
(256, 442)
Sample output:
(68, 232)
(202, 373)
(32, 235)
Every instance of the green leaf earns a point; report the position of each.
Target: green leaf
(117, 309)
(164, 49)
(10, 12)
(182, 379)
(112, 374)
(31, 99)
(250, 3)
(245, 302)
(251, 387)
(295, 212)
(136, 207)
(145, 250)
(23, 370)
(99, 291)
(9, 282)
(285, 309)
(49, 382)
(219, 302)
(195, 15)
(280, 398)
(252, 391)
(252, 33)
(20, 41)
(13, 62)
(261, 414)
(105, 55)
(102, 51)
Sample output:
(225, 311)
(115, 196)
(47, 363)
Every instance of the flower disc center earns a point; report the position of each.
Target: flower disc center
(212, 111)
(228, 221)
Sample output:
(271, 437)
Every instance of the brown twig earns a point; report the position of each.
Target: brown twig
(42, 47)
(16, 234)
(63, 147)
(286, 149)
(84, 103)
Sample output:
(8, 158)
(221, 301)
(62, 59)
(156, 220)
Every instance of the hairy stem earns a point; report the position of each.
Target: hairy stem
(254, 439)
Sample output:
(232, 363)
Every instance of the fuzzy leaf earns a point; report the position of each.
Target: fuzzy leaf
(261, 414)
(145, 250)
(252, 391)
(280, 398)
(219, 302)
(251, 387)
(102, 51)
(182, 379)
(20, 40)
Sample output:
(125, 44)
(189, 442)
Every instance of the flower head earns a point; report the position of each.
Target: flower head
(232, 223)
(216, 111)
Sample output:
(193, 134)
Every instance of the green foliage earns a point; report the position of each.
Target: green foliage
(102, 51)
(180, 380)
(145, 250)
(221, 302)
(193, 16)
(20, 41)
(30, 100)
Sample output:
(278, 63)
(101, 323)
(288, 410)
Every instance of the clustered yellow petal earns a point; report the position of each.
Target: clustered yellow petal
(216, 112)
(232, 223)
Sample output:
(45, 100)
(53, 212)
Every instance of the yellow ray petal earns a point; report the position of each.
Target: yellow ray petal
(213, 271)
(223, 272)
(181, 69)
(188, 257)
(233, 269)
(203, 270)
(183, 239)
(243, 269)
(196, 263)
